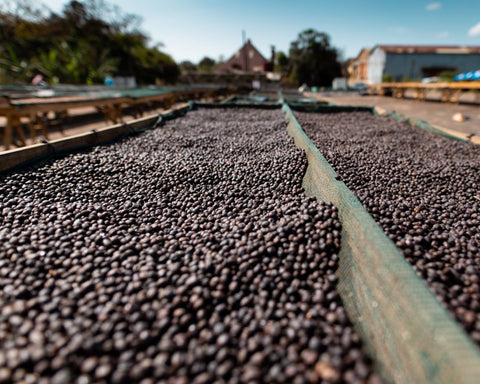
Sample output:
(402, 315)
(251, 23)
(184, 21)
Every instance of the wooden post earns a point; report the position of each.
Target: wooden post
(13, 121)
(455, 95)
(7, 137)
(445, 95)
(31, 127)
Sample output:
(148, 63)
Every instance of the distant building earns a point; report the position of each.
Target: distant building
(358, 67)
(415, 62)
(246, 59)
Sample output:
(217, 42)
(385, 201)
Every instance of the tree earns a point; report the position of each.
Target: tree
(387, 78)
(22, 10)
(88, 41)
(282, 63)
(447, 75)
(187, 66)
(13, 67)
(206, 64)
(313, 60)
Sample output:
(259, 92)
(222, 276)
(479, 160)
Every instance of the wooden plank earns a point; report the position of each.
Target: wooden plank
(111, 107)
(7, 135)
(17, 157)
(24, 109)
(440, 85)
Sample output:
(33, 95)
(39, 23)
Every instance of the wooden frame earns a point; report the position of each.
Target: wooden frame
(450, 92)
(35, 109)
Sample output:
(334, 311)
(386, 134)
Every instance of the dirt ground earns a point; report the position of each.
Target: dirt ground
(435, 113)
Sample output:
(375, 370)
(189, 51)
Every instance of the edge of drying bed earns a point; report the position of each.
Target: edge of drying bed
(20, 157)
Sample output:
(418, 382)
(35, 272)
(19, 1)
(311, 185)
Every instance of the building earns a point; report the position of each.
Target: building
(416, 62)
(358, 67)
(246, 59)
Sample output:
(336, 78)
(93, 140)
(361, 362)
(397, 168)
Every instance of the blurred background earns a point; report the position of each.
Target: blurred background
(302, 42)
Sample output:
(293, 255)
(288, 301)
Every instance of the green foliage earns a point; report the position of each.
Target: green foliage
(14, 67)
(313, 61)
(406, 79)
(90, 40)
(187, 66)
(282, 63)
(447, 75)
(387, 78)
(206, 64)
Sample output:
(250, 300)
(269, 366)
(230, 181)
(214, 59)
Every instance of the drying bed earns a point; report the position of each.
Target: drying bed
(422, 189)
(189, 253)
(410, 335)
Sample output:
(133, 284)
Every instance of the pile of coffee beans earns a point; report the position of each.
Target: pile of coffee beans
(422, 189)
(187, 254)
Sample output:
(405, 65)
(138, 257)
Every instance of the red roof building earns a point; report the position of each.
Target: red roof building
(246, 59)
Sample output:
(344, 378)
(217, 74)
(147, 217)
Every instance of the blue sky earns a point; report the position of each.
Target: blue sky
(192, 29)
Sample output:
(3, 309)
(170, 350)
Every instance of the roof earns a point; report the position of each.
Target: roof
(455, 49)
(364, 51)
(247, 56)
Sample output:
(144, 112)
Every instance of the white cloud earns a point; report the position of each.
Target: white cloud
(433, 6)
(475, 30)
(442, 35)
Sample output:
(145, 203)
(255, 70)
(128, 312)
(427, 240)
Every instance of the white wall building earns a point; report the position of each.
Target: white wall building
(416, 62)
